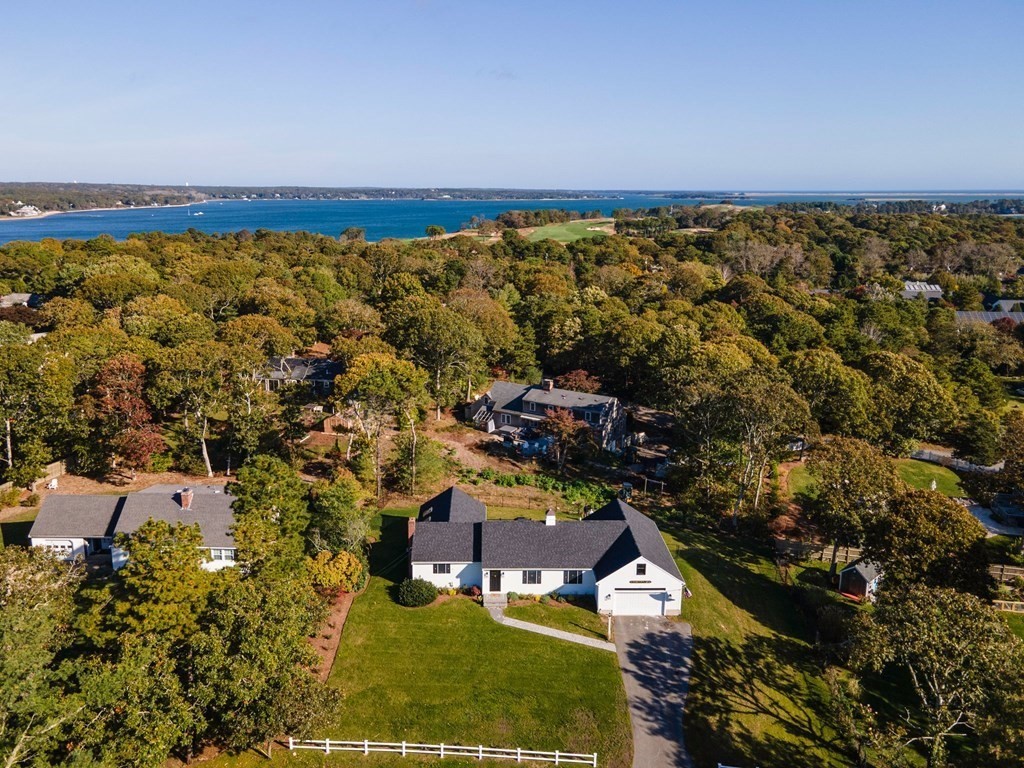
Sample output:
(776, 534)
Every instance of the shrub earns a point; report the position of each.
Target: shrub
(332, 573)
(512, 596)
(10, 497)
(544, 599)
(415, 593)
(472, 591)
(31, 501)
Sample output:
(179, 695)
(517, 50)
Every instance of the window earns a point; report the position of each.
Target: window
(442, 568)
(641, 569)
(572, 577)
(531, 407)
(531, 577)
(506, 418)
(226, 555)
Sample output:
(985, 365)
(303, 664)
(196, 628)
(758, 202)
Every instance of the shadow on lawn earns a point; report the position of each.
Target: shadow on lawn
(15, 533)
(730, 565)
(765, 677)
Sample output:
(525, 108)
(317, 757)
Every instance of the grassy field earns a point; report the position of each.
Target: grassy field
(756, 697)
(14, 530)
(564, 616)
(1016, 622)
(916, 474)
(449, 673)
(567, 232)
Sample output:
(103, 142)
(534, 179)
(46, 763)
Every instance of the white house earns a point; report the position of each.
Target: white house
(616, 555)
(81, 526)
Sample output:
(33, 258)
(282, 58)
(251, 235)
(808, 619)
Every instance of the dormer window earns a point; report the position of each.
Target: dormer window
(532, 407)
(641, 569)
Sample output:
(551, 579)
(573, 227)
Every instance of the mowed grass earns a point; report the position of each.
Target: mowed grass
(1016, 622)
(449, 673)
(756, 696)
(14, 530)
(916, 474)
(568, 231)
(567, 617)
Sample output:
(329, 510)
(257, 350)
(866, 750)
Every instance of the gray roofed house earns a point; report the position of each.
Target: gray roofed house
(521, 406)
(209, 506)
(860, 579)
(83, 525)
(615, 554)
(914, 288)
(318, 372)
(965, 317)
(453, 506)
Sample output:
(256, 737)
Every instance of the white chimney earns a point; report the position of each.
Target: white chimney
(186, 498)
(549, 518)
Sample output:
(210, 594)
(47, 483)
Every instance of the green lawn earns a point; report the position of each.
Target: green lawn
(568, 231)
(14, 530)
(756, 697)
(449, 673)
(919, 474)
(1016, 622)
(577, 619)
(916, 474)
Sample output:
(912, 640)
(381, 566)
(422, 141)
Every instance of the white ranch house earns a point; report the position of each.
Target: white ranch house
(616, 555)
(85, 526)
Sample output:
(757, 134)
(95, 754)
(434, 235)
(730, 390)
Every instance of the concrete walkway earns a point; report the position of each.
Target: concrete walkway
(655, 656)
(498, 614)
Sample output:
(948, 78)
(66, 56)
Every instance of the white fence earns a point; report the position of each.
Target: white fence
(404, 748)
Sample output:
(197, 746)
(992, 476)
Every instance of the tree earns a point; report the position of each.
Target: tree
(378, 389)
(567, 432)
(36, 605)
(435, 231)
(416, 462)
(1013, 450)
(163, 588)
(954, 649)
(254, 663)
(926, 537)
(978, 437)
(271, 510)
(579, 381)
(853, 482)
(332, 572)
(338, 521)
(124, 431)
(839, 397)
(439, 340)
(353, 235)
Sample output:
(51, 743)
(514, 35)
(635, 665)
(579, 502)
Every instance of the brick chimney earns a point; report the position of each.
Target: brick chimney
(185, 496)
(547, 384)
(549, 518)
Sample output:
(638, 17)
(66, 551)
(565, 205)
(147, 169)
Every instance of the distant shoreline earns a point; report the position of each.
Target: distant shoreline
(45, 214)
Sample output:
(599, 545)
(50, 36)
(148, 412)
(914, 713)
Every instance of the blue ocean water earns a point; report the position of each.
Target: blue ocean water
(380, 218)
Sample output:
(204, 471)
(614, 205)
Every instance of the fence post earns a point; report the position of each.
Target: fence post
(403, 749)
(327, 746)
(556, 757)
(481, 757)
(519, 755)
(366, 747)
(290, 744)
(442, 750)
(595, 760)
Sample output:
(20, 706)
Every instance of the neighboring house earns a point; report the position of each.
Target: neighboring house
(509, 408)
(76, 526)
(966, 317)
(616, 555)
(860, 580)
(912, 289)
(20, 300)
(1008, 305)
(318, 372)
(80, 526)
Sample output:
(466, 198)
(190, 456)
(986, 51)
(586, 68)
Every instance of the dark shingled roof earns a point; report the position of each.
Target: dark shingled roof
(642, 538)
(532, 544)
(509, 396)
(453, 506)
(303, 369)
(79, 517)
(446, 543)
(211, 508)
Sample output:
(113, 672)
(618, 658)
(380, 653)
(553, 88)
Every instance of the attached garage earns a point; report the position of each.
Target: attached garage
(640, 602)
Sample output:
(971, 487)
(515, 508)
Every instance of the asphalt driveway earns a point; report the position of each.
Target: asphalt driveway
(655, 656)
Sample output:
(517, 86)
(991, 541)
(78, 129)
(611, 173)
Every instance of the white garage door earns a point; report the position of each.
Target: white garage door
(640, 603)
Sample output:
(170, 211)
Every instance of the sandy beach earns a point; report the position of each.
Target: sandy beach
(44, 214)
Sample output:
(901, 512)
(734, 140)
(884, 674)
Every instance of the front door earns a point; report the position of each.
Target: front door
(495, 581)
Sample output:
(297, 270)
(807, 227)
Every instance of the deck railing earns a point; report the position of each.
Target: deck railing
(480, 752)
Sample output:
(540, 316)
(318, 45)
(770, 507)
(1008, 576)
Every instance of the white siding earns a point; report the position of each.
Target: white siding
(67, 549)
(462, 575)
(627, 578)
(550, 581)
(119, 558)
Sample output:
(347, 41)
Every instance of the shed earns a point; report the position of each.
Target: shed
(860, 580)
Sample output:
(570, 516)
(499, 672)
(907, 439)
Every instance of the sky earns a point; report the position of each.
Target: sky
(745, 95)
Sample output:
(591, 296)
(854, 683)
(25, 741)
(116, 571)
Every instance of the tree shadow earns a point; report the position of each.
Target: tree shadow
(15, 534)
(763, 678)
(731, 568)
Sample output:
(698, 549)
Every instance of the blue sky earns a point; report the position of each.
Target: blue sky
(756, 95)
